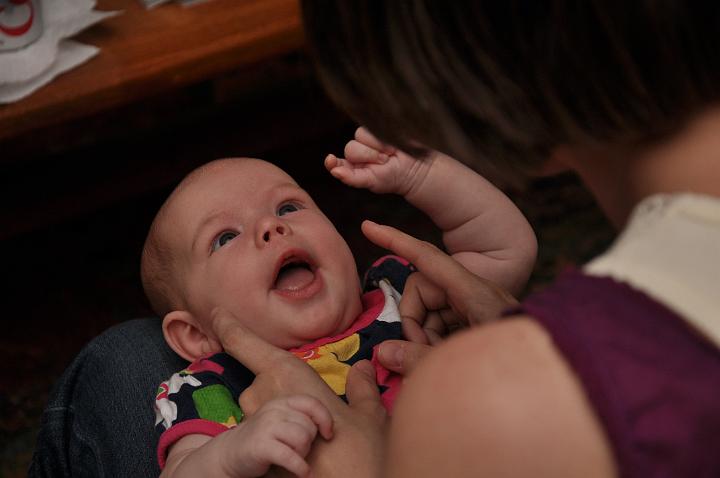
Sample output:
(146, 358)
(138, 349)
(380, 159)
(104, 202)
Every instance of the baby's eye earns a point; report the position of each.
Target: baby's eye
(223, 239)
(287, 208)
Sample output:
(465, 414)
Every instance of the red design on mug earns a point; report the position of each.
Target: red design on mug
(19, 30)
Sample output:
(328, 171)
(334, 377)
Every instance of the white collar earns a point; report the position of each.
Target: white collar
(670, 250)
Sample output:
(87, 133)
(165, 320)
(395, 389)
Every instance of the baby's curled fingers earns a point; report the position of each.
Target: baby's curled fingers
(359, 153)
(313, 409)
(283, 455)
(344, 170)
(297, 437)
(282, 433)
(332, 162)
(364, 136)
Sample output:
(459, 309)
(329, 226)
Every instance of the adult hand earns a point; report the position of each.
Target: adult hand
(358, 447)
(278, 373)
(401, 356)
(446, 294)
(357, 429)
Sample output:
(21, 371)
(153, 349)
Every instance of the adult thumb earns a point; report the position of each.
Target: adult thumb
(361, 388)
(401, 356)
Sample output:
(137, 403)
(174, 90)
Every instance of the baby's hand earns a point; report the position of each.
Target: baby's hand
(280, 433)
(376, 166)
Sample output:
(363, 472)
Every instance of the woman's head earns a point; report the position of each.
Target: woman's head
(499, 85)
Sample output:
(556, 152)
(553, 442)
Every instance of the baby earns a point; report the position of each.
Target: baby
(241, 235)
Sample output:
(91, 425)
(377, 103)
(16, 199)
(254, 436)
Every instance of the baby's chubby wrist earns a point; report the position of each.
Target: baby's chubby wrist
(232, 453)
(418, 177)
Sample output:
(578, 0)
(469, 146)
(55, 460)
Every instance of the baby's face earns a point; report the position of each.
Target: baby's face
(250, 240)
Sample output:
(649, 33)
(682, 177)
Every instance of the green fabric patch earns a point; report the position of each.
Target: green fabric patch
(215, 403)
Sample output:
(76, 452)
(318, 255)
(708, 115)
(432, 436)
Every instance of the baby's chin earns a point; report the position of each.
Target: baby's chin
(331, 329)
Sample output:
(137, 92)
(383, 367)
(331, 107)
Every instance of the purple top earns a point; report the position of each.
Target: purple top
(653, 380)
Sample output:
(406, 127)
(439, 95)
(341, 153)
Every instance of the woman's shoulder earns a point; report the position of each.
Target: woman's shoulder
(517, 343)
(514, 392)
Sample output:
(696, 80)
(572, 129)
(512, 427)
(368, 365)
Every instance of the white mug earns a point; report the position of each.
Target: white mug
(20, 23)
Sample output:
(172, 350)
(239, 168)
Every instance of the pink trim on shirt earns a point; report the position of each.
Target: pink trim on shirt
(204, 365)
(197, 426)
(402, 261)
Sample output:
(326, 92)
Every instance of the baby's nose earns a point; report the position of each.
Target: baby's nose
(278, 229)
(270, 227)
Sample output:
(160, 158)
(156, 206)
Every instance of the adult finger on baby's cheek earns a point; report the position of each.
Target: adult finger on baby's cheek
(223, 322)
(316, 411)
(247, 348)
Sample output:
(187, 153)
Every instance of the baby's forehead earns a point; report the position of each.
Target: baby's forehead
(222, 183)
(250, 173)
(238, 177)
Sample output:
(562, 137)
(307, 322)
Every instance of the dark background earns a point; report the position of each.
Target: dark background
(77, 200)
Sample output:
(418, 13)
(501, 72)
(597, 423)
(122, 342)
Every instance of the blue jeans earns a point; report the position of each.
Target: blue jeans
(99, 421)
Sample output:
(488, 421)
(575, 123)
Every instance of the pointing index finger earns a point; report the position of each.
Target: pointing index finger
(442, 269)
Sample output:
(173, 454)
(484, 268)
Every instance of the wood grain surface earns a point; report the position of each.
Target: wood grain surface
(144, 52)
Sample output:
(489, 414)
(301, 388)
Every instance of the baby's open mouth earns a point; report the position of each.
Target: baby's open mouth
(294, 274)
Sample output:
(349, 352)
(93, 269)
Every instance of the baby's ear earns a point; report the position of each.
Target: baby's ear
(186, 338)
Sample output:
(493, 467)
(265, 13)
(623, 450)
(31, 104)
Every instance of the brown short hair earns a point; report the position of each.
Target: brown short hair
(157, 270)
(158, 263)
(498, 84)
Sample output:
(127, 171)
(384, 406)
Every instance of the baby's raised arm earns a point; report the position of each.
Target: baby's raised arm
(481, 228)
(280, 433)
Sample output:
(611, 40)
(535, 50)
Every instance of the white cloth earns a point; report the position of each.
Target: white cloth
(670, 250)
(24, 71)
(390, 312)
